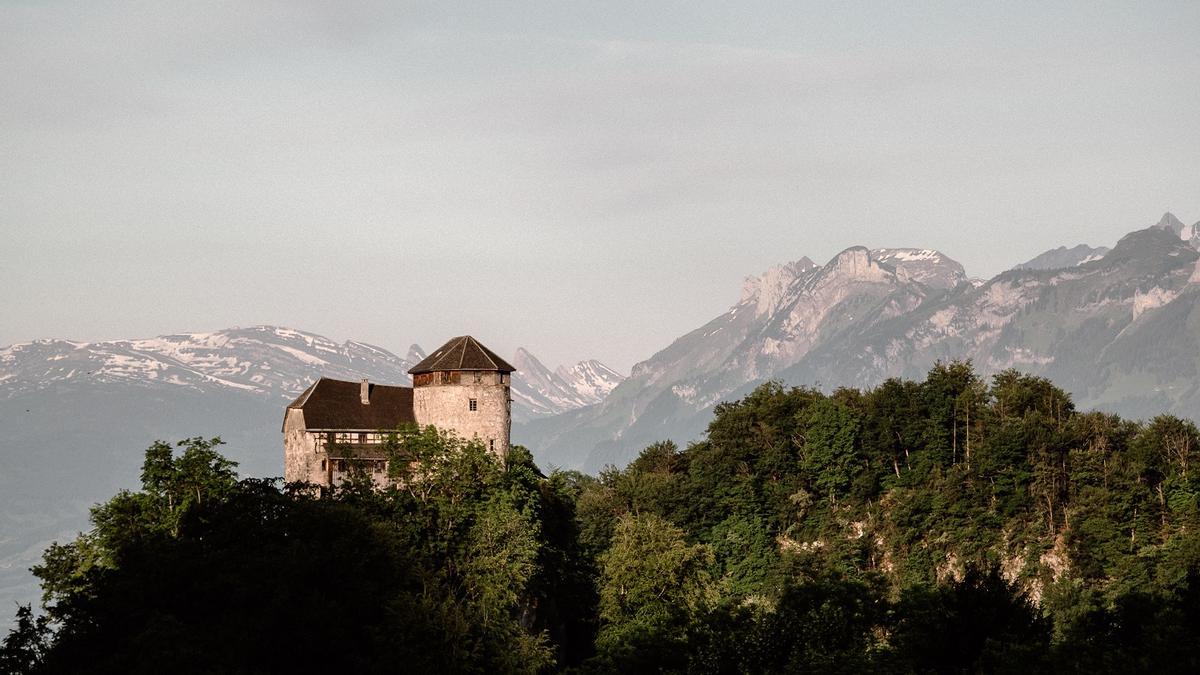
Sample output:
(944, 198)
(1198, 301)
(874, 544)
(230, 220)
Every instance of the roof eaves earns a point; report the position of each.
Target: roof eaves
(488, 356)
(299, 402)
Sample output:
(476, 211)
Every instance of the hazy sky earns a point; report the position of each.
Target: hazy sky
(586, 180)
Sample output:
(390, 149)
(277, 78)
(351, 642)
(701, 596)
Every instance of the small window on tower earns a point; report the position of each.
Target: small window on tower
(473, 404)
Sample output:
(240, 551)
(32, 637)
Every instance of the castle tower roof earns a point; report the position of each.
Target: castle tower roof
(462, 353)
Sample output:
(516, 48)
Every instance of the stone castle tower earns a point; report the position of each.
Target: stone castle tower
(463, 387)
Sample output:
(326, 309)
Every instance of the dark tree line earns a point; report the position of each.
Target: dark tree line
(949, 525)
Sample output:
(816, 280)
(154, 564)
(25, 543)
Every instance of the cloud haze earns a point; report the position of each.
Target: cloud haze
(583, 182)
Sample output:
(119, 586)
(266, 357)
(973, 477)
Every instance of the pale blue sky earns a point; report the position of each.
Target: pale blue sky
(584, 180)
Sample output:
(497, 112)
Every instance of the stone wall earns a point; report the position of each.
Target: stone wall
(301, 456)
(447, 406)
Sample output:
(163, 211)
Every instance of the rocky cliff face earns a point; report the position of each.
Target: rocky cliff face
(1120, 330)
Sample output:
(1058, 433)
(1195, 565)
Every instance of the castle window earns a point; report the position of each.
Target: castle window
(322, 465)
(362, 437)
(473, 404)
(478, 377)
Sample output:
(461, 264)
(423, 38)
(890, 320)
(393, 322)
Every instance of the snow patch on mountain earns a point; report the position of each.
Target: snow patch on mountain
(303, 357)
(545, 392)
(923, 265)
(590, 379)
(1063, 257)
(273, 362)
(266, 360)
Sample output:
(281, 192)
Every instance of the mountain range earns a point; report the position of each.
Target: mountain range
(269, 362)
(541, 392)
(1119, 328)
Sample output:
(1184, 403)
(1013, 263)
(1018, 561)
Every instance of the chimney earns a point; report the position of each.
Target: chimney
(364, 392)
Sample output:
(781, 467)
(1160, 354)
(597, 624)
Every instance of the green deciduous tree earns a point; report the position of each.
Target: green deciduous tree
(651, 585)
(830, 451)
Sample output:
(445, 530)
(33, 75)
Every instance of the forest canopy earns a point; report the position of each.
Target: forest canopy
(945, 525)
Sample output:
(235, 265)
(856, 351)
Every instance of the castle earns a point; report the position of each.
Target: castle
(462, 387)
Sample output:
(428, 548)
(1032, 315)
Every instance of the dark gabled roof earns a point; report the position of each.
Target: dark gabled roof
(462, 353)
(336, 404)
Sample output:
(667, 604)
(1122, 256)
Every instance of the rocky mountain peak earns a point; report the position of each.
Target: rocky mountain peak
(1148, 245)
(546, 392)
(804, 265)
(415, 353)
(857, 264)
(1063, 257)
(1188, 233)
(591, 379)
(923, 265)
(1173, 225)
(523, 358)
(768, 289)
